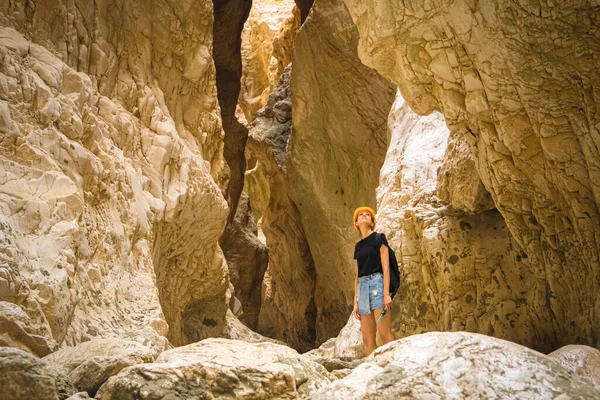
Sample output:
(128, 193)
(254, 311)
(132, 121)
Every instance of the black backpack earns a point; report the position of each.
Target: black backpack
(394, 273)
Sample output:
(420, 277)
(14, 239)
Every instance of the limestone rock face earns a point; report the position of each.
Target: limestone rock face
(24, 376)
(455, 366)
(518, 81)
(347, 345)
(220, 368)
(458, 182)
(458, 271)
(18, 330)
(89, 364)
(288, 309)
(581, 360)
(266, 50)
(111, 144)
(335, 151)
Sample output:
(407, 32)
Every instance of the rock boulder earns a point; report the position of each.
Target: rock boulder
(220, 368)
(457, 366)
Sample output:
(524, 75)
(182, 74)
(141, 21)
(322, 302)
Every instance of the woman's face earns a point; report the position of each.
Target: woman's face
(364, 217)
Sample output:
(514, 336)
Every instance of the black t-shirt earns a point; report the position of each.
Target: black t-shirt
(366, 252)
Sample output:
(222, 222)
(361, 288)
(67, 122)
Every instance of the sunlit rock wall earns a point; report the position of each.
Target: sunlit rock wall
(518, 80)
(110, 147)
(267, 41)
(460, 271)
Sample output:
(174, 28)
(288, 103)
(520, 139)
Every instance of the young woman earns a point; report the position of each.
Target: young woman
(372, 283)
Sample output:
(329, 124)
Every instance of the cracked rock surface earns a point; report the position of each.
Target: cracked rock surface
(288, 310)
(267, 40)
(109, 203)
(220, 368)
(519, 81)
(579, 359)
(458, 365)
(459, 271)
(89, 364)
(24, 376)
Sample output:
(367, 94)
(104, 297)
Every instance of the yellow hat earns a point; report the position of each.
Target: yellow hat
(361, 209)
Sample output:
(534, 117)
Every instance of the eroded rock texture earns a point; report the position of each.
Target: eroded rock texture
(456, 366)
(88, 365)
(335, 151)
(519, 81)
(459, 271)
(579, 359)
(111, 144)
(220, 368)
(24, 376)
(266, 50)
(347, 345)
(288, 309)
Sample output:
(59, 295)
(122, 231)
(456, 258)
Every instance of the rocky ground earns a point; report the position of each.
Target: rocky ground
(433, 365)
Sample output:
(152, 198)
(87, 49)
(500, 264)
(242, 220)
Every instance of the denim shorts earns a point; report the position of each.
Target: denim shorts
(370, 292)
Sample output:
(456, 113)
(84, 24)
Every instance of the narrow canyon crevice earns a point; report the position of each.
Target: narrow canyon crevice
(246, 256)
(304, 6)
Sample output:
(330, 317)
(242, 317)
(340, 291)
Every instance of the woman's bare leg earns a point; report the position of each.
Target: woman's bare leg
(367, 328)
(384, 327)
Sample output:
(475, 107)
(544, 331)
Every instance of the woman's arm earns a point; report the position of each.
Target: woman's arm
(385, 266)
(356, 314)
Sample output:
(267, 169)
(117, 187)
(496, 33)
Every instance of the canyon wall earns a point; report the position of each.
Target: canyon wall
(518, 81)
(110, 158)
(460, 270)
(288, 309)
(267, 40)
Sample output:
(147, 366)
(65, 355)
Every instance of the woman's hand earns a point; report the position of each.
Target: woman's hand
(387, 301)
(355, 312)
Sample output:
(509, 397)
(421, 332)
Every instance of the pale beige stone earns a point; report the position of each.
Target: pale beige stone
(238, 331)
(579, 359)
(18, 330)
(110, 157)
(458, 271)
(347, 345)
(266, 50)
(222, 368)
(458, 182)
(335, 152)
(288, 310)
(24, 376)
(517, 80)
(458, 365)
(89, 364)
